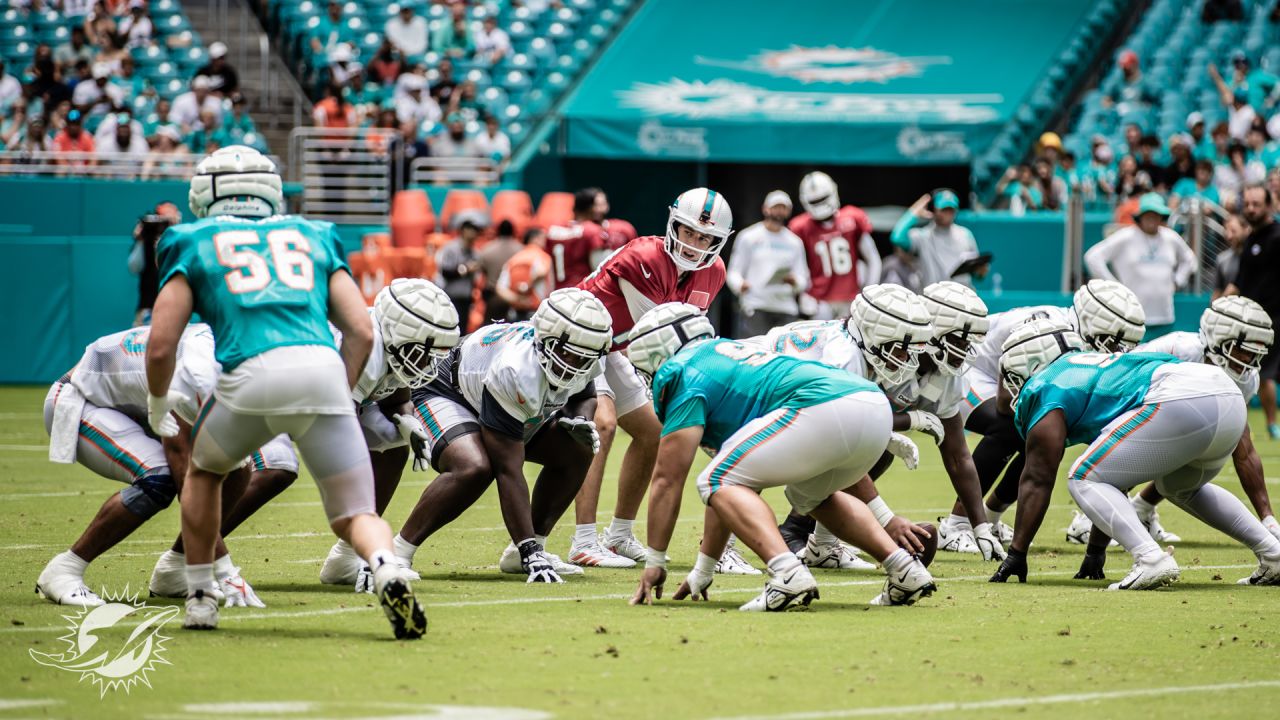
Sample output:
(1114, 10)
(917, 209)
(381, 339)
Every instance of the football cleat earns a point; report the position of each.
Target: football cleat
(956, 538)
(510, 563)
(239, 592)
(169, 578)
(1158, 533)
(795, 533)
(62, 586)
(1268, 573)
(342, 566)
(731, 562)
(905, 587)
(1005, 534)
(835, 556)
(1079, 529)
(627, 546)
(202, 609)
(592, 554)
(795, 586)
(408, 621)
(1150, 575)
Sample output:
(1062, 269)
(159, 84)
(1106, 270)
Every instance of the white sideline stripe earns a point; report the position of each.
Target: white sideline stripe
(25, 448)
(563, 598)
(20, 416)
(15, 704)
(1011, 702)
(19, 496)
(145, 541)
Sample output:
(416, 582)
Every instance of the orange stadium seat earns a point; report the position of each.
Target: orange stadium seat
(556, 208)
(374, 265)
(459, 200)
(411, 218)
(513, 205)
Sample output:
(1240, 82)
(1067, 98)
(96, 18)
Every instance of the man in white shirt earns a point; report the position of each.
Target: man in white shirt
(767, 269)
(934, 237)
(1150, 259)
(10, 88)
(98, 96)
(493, 143)
(415, 105)
(188, 106)
(492, 42)
(136, 27)
(123, 141)
(408, 32)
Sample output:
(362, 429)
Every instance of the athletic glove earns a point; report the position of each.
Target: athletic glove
(158, 415)
(364, 580)
(583, 431)
(412, 432)
(239, 593)
(1015, 564)
(988, 544)
(927, 423)
(535, 562)
(1091, 567)
(905, 450)
(694, 586)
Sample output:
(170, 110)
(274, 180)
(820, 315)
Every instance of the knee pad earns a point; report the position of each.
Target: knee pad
(149, 495)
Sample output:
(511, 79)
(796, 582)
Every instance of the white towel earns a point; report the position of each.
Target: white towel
(65, 431)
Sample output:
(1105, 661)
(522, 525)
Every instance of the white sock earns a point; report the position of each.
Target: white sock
(584, 534)
(782, 562)
(223, 567)
(823, 536)
(898, 560)
(200, 577)
(380, 558)
(618, 527)
(1149, 551)
(993, 516)
(960, 522)
(1143, 508)
(542, 540)
(72, 562)
(403, 549)
(1269, 548)
(705, 564)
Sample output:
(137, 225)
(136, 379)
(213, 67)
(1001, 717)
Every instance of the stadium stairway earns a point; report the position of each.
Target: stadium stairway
(276, 102)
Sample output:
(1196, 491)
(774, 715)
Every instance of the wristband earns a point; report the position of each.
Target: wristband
(705, 565)
(881, 510)
(655, 558)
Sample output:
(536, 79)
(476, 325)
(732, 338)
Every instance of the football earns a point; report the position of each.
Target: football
(930, 545)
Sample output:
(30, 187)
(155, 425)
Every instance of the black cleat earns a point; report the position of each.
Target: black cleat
(795, 531)
(407, 618)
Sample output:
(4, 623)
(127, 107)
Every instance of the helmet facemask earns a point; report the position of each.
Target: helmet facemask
(690, 257)
(952, 351)
(1237, 357)
(895, 362)
(565, 362)
(1109, 343)
(416, 363)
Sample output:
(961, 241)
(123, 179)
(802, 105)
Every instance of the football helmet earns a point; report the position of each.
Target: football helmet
(819, 196)
(419, 327)
(891, 325)
(960, 324)
(704, 211)
(572, 330)
(236, 180)
(1234, 326)
(1031, 347)
(1109, 316)
(661, 332)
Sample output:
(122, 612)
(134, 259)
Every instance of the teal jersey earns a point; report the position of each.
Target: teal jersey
(260, 284)
(1091, 390)
(722, 385)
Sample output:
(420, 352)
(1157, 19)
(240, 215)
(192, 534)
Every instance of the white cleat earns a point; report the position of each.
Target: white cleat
(1150, 575)
(202, 610)
(1004, 534)
(956, 538)
(169, 578)
(834, 556)
(1268, 573)
(1158, 533)
(797, 586)
(342, 566)
(1079, 529)
(906, 586)
(731, 562)
(510, 563)
(239, 592)
(593, 554)
(627, 546)
(62, 586)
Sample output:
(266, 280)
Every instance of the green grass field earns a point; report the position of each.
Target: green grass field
(498, 648)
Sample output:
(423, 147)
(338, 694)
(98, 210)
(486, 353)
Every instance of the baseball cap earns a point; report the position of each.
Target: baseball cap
(1051, 140)
(217, 50)
(1152, 202)
(1128, 59)
(944, 199)
(777, 197)
(412, 82)
(169, 131)
(200, 82)
(1194, 119)
(73, 116)
(1239, 57)
(101, 71)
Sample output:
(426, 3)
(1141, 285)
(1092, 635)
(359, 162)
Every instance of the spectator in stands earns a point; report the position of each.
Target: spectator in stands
(113, 54)
(1099, 177)
(10, 88)
(1258, 147)
(492, 42)
(100, 96)
(364, 97)
(123, 140)
(77, 49)
(1231, 178)
(1049, 146)
(493, 143)
(1259, 280)
(1132, 138)
(1148, 258)
(73, 9)
(107, 127)
(526, 277)
(1148, 146)
(334, 111)
(343, 65)
(1226, 267)
(1240, 113)
(223, 79)
(1018, 190)
(1201, 144)
(1132, 91)
(768, 269)
(1258, 84)
(157, 117)
(454, 142)
(416, 106)
(136, 29)
(190, 106)
(1215, 10)
(1053, 191)
(236, 125)
(203, 135)
(1198, 186)
(331, 30)
(386, 64)
(13, 128)
(466, 101)
(407, 32)
(99, 24)
(45, 86)
(133, 84)
(167, 157)
(1219, 143)
(444, 85)
(1182, 164)
(492, 258)
(36, 138)
(73, 139)
(928, 230)
(1130, 181)
(1273, 184)
(458, 263)
(453, 38)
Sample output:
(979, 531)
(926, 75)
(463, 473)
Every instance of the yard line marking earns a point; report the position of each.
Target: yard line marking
(1010, 702)
(166, 543)
(19, 496)
(25, 448)
(20, 415)
(15, 704)
(228, 617)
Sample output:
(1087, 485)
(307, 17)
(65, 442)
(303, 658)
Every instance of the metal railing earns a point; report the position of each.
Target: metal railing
(347, 174)
(454, 171)
(120, 166)
(1202, 224)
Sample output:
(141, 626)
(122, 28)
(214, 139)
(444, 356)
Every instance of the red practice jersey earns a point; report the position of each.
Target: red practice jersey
(832, 250)
(617, 233)
(571, 247)
(642, 275)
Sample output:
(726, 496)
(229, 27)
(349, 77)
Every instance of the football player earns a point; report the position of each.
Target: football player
(578, 248)
(771, 421)
(96, 416)
(1143, 416)
(513, 392)
(266, 283)
(837, 239)
(683, 266)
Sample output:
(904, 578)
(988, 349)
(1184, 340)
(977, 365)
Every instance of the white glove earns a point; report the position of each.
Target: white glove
(1273, 527)
(158, 415)
(379, 432)
(698, 583)
(582, 430)
(540, 570)
(412, 432)
(927, 423)
(905, 450)
(364, 580)
(988, 544)
(239, 593)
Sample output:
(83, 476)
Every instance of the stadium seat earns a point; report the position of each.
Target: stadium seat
(411, 218)
(555, 208)
(513, 205)
(459, 200)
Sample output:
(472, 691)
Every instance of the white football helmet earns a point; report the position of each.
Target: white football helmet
(960, 324)
(1031, 347)
(1237, 334)
(1109, 316)
(236, 180)
(661, 332)
(704, 211)
(572, 330)
(419, 327)
(819, 196)
(891, 325)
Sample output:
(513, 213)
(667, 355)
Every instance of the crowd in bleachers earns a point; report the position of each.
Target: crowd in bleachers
(114, 80)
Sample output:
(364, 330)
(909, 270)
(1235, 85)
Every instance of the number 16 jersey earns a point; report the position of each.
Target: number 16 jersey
(260, 284)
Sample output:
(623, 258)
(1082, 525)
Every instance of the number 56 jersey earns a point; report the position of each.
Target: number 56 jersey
(260, 284)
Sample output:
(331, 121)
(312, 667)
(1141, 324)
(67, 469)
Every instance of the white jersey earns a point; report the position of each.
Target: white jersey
(826, 341)
(497, 372)
(1187, 347)
(986, 358)
(377, 380)
(112, 373)
(932, 392)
